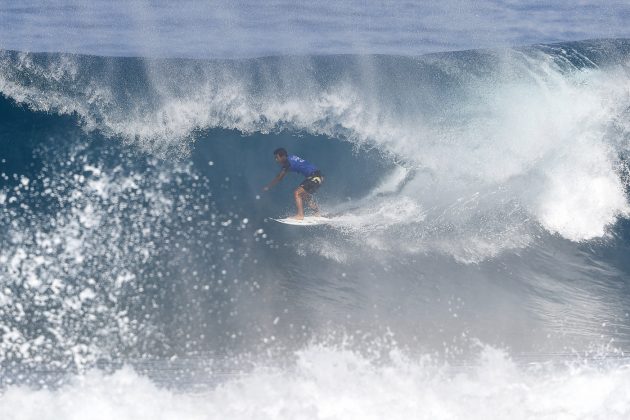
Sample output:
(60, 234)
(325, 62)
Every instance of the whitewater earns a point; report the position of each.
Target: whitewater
(476, 267)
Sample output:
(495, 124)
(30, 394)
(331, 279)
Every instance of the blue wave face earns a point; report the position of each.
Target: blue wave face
(476, 196)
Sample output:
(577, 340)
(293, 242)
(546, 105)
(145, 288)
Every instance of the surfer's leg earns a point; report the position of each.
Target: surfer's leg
(308, 187)
(299, 191)
(312, 204)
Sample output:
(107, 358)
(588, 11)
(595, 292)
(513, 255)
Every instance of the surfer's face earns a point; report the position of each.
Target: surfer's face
(280, 159)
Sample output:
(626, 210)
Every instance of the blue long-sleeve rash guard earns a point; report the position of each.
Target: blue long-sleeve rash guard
(299, 165)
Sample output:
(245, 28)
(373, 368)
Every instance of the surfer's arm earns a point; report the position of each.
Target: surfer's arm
(277, 179)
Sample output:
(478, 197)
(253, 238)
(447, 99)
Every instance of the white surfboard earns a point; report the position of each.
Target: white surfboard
(307, 221)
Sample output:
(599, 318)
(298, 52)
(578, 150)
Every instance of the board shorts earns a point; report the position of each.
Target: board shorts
(312, 182)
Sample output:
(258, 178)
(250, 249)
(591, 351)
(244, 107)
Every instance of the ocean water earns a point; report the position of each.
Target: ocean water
(477, 264)
(249, 28)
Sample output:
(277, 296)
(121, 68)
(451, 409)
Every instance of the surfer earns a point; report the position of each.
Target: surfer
(304, 191)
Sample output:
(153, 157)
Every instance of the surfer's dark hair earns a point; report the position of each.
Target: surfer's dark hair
(280, 152)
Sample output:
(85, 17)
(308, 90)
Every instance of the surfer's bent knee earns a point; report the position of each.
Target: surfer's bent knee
(299, 191)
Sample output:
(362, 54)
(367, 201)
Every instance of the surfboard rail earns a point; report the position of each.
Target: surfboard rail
(307, 221)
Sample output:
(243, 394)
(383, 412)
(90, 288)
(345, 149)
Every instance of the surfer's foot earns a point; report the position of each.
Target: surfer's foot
(298, 217)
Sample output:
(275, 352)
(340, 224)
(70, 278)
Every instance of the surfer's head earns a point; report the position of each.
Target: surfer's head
(280, 155)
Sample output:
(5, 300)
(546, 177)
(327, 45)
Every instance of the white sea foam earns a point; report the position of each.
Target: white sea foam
(62, 273)
(340, 384)
(381, 215)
